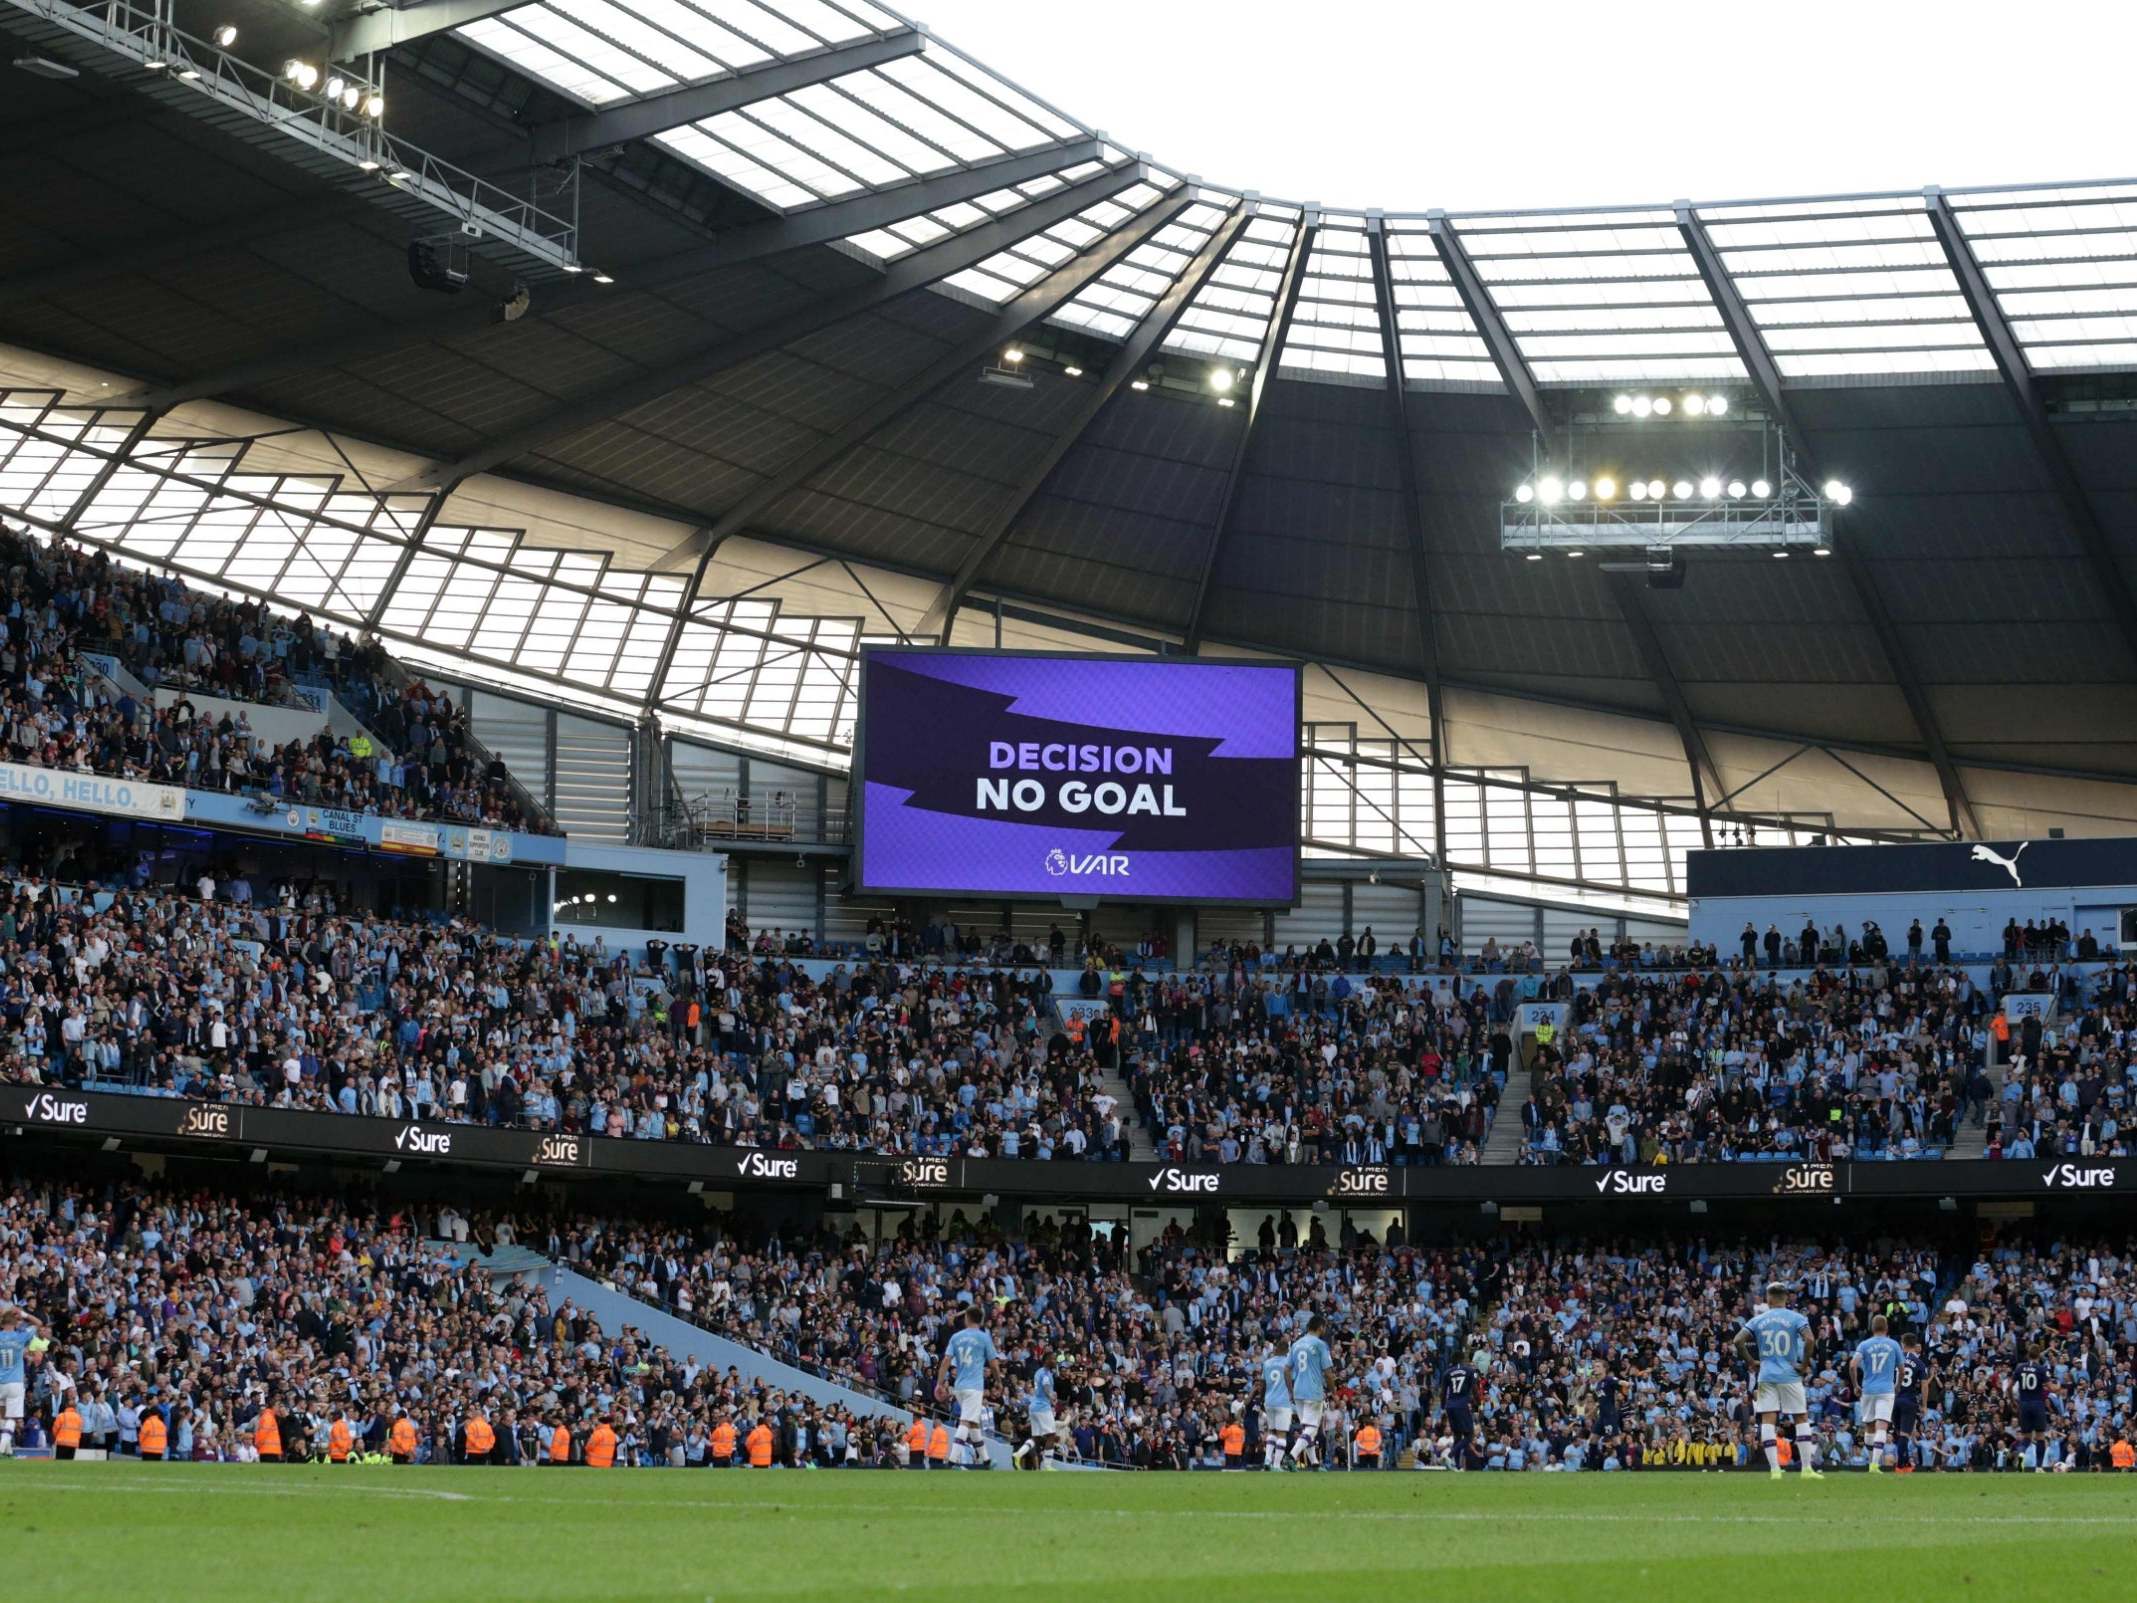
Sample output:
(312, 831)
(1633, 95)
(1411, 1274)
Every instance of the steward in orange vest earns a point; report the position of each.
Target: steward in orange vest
(1367, 1445)
(1234, 1440)
(759, 1443)
(66, 1432)
(155, 1435)
(916, 1444)
(338, 1437)
(401, 1440)
(560, 1445)
(267, 1436)
(478, 1440)
(938, 1445)
(723, 1443)
(601, 1447)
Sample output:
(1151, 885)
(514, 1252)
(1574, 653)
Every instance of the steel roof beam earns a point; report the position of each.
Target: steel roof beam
(382, 29)
(1484, 312)
(2048, 450)
(1128, 362)
(1766, 376)
(909, 273)
(641, 119)
(1414, 519)
(1019, 314)
(748, 243)
(1286, 306)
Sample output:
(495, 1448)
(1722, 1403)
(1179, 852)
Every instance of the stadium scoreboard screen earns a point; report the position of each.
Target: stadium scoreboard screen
(1036, 774)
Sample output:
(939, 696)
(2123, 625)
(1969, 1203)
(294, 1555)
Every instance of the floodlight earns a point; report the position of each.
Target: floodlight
(1641, 406)
(1845, 496)
(1736, 489)
(1822, 551)
(334, 87)
(1780, 556)
(1013, 355)
(1577, 490)
(603, 278)
(1682, 489)
(1654, 489)
(226, 36)
(1710, 488)
(375, 107)
(1138, 384)
(1662, 406)
(1575, 553)
(1524, 495)
(1535, 556)
(1637, 489)
(1717, 405)
(1226, 400)
(1761, 489)
(1695, 406)
(1550, 490)
(1220, 379)
(1073, 371)
(1605, 488)
(1622, 405)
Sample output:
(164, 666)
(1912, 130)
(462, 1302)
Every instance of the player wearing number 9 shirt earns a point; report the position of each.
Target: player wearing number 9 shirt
(1779, 1340)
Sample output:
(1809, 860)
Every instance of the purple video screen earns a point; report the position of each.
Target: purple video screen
(1129, 778)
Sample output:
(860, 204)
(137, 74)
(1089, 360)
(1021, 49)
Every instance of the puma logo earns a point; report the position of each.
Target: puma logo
(1987, 854)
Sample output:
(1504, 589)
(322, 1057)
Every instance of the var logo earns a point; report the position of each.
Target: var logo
(2070, 1176)
(49, 1109)
(1112, 865)
(1620, 1182)
(1805, 1180)
(557, 1149)
(1181, 1180)
(758, 1167)
(417, 1139)
(206, 1121)
(924, 1172)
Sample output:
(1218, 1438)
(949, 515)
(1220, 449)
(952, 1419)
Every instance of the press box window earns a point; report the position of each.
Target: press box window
(618, 901)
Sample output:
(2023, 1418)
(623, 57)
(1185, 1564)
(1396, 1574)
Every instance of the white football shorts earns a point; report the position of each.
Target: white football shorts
(1276, 1421)
(1779, 1397)
(11, 1400)
(972, 1403)
(1310, 1411)
(1877, 1409)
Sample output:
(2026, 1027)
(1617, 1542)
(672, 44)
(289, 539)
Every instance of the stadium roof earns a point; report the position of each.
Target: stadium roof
(821, 223)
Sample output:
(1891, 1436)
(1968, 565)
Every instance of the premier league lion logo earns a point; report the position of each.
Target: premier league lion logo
(1057, 862)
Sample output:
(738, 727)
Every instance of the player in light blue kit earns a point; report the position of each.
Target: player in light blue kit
(1039, 1411)
(1275, 1405)
(18, 1333)
(1779, 1338)
(1876, 1365)
(963, 1374)
(1310, 1362)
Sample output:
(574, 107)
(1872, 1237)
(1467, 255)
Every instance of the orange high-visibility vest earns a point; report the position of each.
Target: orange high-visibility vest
(67, 1428)
(560, 1445)
(155, 1435)
(939, 1444)
(601, 1448)
(2122, 1455)
(723, 1441)
(337, 1441)
(2000, 1027)
(760, 1446)
(402, 1438)
(1368, 1441)
(1784, 1451)
(267, 1433)
(916, 1439)
(1234, 1439)
(480, 1438)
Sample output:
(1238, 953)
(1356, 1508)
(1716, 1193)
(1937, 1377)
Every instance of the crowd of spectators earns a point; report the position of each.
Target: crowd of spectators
(58, 603)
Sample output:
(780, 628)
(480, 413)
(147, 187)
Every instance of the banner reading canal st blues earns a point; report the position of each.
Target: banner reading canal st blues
(1132, 778)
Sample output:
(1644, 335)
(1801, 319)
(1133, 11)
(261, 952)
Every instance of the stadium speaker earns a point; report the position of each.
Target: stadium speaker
(430, 265)
(1667, 575)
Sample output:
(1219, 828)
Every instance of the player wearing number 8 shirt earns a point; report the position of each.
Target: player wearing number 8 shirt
(1457, 1398)
(1779, 1340)
(1876, 1367)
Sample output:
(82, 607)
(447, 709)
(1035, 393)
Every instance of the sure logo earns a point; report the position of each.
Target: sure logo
(1622, 1182)
(206, 1121)
(2074, 1178)
(924, 1172)
(417, 1139)
(1181, 1180)
(758, 1167)
(49, 1109)
(1362, 1183)
(1806, 1180)
(557, 1149)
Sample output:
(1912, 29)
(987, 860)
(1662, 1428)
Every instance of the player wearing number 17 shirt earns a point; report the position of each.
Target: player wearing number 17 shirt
(1876, 1367)
(1457, 1399)
(1778, 1339)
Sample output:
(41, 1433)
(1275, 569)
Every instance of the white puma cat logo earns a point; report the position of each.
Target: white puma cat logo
(1985, 854)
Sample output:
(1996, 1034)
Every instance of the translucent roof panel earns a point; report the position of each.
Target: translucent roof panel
(866, 130)
(603, 51)
(1116, 301)
(1439, 338)
(1601, 298)
(2063, 266)
(1009, 272)
(1335, 330)
(887, 244)
(1230, 314)
(1856, 287)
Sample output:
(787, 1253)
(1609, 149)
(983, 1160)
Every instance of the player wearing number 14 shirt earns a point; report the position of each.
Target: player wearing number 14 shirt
(1778, 1339)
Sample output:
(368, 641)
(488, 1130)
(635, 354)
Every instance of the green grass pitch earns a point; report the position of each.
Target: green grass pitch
(130, 1531)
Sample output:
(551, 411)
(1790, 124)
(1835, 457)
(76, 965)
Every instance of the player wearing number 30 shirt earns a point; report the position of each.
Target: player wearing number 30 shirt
(1778, 1339)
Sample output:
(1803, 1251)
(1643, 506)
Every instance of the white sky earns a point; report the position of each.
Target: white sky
(1479, 104)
